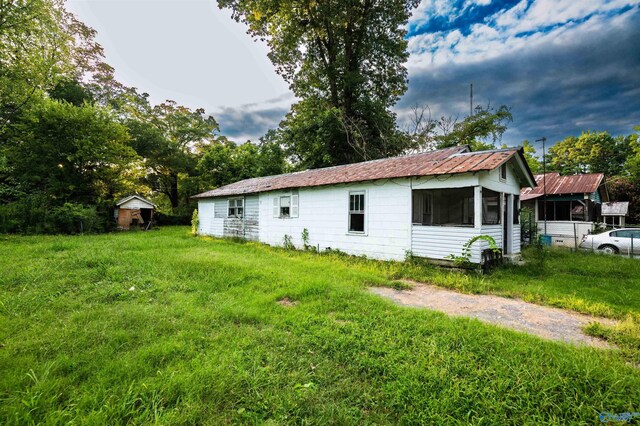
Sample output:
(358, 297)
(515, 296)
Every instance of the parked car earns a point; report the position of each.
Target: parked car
(624, 241)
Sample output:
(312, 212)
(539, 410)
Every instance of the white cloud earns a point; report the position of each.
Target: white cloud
(502, 34)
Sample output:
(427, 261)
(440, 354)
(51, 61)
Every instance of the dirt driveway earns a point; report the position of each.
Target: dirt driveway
(547, 322)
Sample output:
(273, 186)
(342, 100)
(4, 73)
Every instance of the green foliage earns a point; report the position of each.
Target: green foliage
(530, 155)
(305, 241)
(591, 152)
(195, 222)
(622, 188)
(41, 44)
(287, 242)
(344, 60)
(201, 338)
(480, 131)
(464, 259)
(625, 335)
(225, 162)
(70, 153)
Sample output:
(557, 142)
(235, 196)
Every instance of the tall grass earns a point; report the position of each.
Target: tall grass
(161, 327)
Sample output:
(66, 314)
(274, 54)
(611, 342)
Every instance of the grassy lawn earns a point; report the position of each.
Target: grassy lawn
(163, 327)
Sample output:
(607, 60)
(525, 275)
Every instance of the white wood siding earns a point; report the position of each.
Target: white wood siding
(209, 224)
(134, 204)
(516, 239)
(437, 242)
(562, 232)
(324, 212)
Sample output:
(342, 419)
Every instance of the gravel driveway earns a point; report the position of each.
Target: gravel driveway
(547, 322)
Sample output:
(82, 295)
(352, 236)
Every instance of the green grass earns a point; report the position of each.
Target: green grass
(201, 338)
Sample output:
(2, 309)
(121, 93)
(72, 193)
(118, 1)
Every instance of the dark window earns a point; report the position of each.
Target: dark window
(356, 212)
(516, 209)
(503, 172)
(443, 207)
(562, 210)
(285, 206)
(236, 207)
(490, 207)
(626, 234)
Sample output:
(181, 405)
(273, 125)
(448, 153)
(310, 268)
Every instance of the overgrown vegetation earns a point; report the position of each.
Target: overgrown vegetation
(161, 327)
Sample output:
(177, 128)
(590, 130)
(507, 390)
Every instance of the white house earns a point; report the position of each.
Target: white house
(428, 204)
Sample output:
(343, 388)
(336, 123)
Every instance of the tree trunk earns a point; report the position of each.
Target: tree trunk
(173, 190)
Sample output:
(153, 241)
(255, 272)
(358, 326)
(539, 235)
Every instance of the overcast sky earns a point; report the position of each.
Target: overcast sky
(562, 65)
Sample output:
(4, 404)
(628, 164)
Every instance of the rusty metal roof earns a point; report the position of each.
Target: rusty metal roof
(586, 183)
(440, 162)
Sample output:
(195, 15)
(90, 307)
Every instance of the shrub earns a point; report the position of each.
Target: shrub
(195, 222)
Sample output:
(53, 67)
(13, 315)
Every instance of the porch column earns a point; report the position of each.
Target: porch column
(477, 207)
(510, 213)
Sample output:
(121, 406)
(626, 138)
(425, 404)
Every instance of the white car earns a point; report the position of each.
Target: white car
(623, 241)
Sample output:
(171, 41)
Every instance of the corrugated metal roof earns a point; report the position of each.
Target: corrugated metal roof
(615, 208)
(586, 183)
(440, 162)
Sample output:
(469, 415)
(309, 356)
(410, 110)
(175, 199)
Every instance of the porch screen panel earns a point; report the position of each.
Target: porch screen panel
(443, 207)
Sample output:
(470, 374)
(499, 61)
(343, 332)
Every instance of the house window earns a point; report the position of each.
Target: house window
(356, 212)
(443, 207)
(285, 206)
(490, 207)
(503, 172)
(236, 207)
(516, 209)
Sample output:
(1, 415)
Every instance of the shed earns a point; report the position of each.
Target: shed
(134, 210)
(615, 212)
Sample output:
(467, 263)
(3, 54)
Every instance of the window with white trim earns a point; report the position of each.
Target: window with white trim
(285, 206)
(503, 172)
(236, 207)
(356, 212)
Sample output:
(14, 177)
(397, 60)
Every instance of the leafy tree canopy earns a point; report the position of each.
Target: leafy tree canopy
(591, 152)
(344, 59)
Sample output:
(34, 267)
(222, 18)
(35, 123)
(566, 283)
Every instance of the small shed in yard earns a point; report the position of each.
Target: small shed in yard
(614, 213)
(135, 211)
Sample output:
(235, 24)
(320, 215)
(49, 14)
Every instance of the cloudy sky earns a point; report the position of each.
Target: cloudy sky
(563, 66)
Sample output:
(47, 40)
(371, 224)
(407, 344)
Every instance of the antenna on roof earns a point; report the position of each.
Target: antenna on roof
(544, 180)
(470, 99)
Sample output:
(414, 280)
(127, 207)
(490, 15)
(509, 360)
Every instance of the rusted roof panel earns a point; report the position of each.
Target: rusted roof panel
(444, 161)
(586, 183)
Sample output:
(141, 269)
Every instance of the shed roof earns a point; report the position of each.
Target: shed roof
(615, 208)
(446, 161)
(131, 197)
(586, 183)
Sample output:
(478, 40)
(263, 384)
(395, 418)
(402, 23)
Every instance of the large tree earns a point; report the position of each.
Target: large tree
(344, 60)
(591, 152)
(40, 44)
(168, 137)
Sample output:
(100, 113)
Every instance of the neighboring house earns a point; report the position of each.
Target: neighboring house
(614, 213)
(134, 211)
(426, 204)
(573, 205)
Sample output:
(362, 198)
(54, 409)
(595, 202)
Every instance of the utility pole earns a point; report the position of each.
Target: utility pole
(544, 181)
(470, 99)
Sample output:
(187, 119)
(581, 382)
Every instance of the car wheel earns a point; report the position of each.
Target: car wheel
(609, 249)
